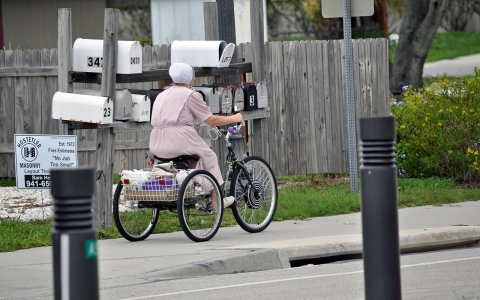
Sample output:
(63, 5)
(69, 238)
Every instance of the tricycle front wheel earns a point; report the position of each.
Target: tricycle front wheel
(255, 190)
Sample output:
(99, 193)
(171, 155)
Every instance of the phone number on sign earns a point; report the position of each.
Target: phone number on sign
(37, 181)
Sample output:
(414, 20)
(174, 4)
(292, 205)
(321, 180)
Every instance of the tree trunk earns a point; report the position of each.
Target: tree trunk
(420, 23)
(381, 17)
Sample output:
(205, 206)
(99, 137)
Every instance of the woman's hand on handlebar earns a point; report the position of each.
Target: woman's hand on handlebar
(215, 120)
(238, 117)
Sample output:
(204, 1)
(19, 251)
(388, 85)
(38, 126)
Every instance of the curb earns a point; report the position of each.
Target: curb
(253, 261)
(277, 255)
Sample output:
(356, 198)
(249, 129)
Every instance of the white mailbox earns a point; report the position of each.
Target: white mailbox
(202, 53)
(226, 99)
(262, 94)
(88, 56)
(211, 97)
(122, 107)
(238, 97)
(141, 106)
(151, 95)
(82, 108)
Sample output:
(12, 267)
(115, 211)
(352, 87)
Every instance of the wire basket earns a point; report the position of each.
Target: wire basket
(152, 185)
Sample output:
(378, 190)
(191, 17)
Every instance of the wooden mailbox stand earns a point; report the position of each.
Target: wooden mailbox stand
(105, 144)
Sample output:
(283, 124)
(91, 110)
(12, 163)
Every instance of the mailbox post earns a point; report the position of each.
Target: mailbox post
(64, 56)
(106, 136)
(257, 138)
(226, 28)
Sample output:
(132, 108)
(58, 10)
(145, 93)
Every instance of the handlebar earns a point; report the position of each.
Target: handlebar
(231, 130)
(235, 128)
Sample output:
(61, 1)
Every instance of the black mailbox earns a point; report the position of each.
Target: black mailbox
(250, 96)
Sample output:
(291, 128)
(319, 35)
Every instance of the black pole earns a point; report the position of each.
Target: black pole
(226, 31)
(74, 238)
(378, 172)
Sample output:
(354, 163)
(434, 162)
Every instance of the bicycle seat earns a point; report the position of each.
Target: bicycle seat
(180, 158)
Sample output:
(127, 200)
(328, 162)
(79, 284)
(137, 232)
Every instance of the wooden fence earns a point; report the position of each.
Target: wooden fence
(306, 132)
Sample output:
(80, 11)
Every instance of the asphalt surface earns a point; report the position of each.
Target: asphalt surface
(28, 274)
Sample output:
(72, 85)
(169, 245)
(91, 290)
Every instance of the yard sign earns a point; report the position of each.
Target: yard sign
(36, 154)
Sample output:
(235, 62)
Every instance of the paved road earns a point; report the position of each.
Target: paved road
(448, 274)
(27, 274)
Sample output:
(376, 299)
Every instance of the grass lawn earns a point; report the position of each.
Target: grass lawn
(453, 44)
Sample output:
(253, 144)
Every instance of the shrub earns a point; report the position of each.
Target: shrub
(438, 129)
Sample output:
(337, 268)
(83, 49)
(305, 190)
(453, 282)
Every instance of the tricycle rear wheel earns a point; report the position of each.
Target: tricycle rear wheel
(134, 221)
(199, 213)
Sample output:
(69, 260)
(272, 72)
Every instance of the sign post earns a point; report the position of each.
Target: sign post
(36, 154)
(348, 9)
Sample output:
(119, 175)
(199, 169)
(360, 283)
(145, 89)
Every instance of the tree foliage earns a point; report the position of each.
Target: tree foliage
(459, 13)
(306, 15)
(137, 21)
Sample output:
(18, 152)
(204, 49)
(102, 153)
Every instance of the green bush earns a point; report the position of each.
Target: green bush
(438, 129)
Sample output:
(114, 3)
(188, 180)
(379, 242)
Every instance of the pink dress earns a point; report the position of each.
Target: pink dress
(173, 134)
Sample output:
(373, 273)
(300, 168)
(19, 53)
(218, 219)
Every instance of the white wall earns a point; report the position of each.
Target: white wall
(177, 20)
(183, 20)
(242, 20)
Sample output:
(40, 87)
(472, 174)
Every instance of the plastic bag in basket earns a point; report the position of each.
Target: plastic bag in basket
(134, 179)
(161, 183)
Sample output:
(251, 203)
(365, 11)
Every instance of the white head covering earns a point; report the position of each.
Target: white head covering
(181, 73)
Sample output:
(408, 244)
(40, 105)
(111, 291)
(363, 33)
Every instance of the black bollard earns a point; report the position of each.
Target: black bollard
(74, 238)
(378, 173)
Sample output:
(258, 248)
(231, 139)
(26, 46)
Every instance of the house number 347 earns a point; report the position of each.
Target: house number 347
(94, 61)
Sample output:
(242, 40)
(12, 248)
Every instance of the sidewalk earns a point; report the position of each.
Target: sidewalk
(27, 274)
(460, 66)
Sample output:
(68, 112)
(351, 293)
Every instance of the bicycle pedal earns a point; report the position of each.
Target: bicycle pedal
(150, 161)
(209, 209)
(200, 206)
